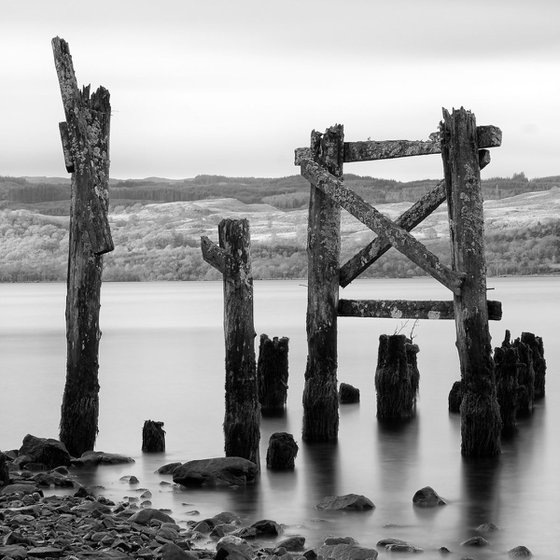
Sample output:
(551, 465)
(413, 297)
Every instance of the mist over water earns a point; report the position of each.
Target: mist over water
(162, 358)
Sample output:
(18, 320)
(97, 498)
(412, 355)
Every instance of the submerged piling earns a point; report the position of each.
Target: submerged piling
(153, 437)
(396, 381)
(272, 373)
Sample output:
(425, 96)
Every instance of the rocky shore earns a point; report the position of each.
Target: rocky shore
(46, 513)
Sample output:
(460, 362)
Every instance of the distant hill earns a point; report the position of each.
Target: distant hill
(52, 195)
(161, 241)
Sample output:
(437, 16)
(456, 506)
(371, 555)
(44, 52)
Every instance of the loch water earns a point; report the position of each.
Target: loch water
(162, 358)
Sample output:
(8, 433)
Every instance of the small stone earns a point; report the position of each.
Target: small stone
(352, 502)
(293, 544)
(475, 541)
(487, 528)
(131, 479)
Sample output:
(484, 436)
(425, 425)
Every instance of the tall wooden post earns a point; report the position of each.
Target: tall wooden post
(233, 259)
(85, 140)
(320, 396)
(480, 413)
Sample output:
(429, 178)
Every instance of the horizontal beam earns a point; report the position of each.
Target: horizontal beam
(379, 246)
(488, 137)
(407, 309)
(213, 254)
(399, 238)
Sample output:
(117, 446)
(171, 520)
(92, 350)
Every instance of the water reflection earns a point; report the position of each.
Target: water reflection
(322, 466)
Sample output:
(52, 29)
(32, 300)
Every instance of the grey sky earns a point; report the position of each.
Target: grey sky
(233, 86)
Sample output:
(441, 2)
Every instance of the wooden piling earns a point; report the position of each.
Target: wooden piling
(507, 387)
(320, 394)
(242, 414)
(396, 383)
(85, 139)
(153, 437)
(272, 374)
(539, 363)
(480, 413)
(282, 451)
(526, 378)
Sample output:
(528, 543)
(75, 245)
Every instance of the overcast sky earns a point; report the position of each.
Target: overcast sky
(232, 87)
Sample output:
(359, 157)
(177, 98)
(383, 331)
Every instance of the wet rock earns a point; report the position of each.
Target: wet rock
(520, 552)
(292, 544)
(487, 528)
(101, 458)
(233, 548)
(389, 541)
(219, 471)
(13, 551)
(346, 552)
(170, 551)
(259, 529)
(475, 541)
(282, 451)
(53, 478)
(339, 540)
(403, 548)
(169, 468)
(130, 478)
(20, 488)
(354, 502)
(427, 497)
(49, 452)
(347, 394)
(45, 552)
(144, 516)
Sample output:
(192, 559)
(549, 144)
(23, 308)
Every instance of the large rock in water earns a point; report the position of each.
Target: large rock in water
(346, 552)
(347, 502)
(218, 471)
(427, 497)
(101, 458)
(49, 452)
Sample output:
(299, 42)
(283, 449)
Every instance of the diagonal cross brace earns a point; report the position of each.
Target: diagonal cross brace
(380, 224)
(214, 255)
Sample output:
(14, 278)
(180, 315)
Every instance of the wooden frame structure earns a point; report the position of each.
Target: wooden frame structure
(463, 148)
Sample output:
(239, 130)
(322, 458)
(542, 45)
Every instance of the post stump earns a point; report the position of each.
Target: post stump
(348, 394)
(153, 437)
(282, 451)
(396, 395)
(272, 374)
(507, 387)
(535, 343)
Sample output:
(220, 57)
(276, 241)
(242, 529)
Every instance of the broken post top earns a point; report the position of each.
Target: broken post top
(85, 144)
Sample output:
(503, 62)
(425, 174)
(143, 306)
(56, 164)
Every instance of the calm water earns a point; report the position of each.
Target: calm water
(162, 357)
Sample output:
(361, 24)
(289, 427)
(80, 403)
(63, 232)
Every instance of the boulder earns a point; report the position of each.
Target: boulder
(487, 528)
(233, 548)
(340, 540)
(263, 528)
(427, 497)
(348, 394)
(292, 544)
(219, 471)
(169, 468)
(49, 452)
(475, 541)
(520, 552)
(20, 488)
(92, 458)
(347, 502)
(346, 552)
(144, 516)
(170, 551)
(282, 451)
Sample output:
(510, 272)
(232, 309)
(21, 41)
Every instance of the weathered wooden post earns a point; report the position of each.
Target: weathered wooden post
(320, 395)
(85, 141)
(282, 451)
(233, 259)
(272, 374)
(535, 343)
(480, 413)
(507, 386)
(396, 381)
(153, 437)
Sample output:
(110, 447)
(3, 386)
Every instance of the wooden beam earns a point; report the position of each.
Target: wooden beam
(213, 254)
(88, 145)
(368, 215)
(407, 309)
(488, 137)
(65, 138)
(379, 246)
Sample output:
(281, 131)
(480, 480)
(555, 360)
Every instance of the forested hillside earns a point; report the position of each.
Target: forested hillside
(161, 241)
(51, 195)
